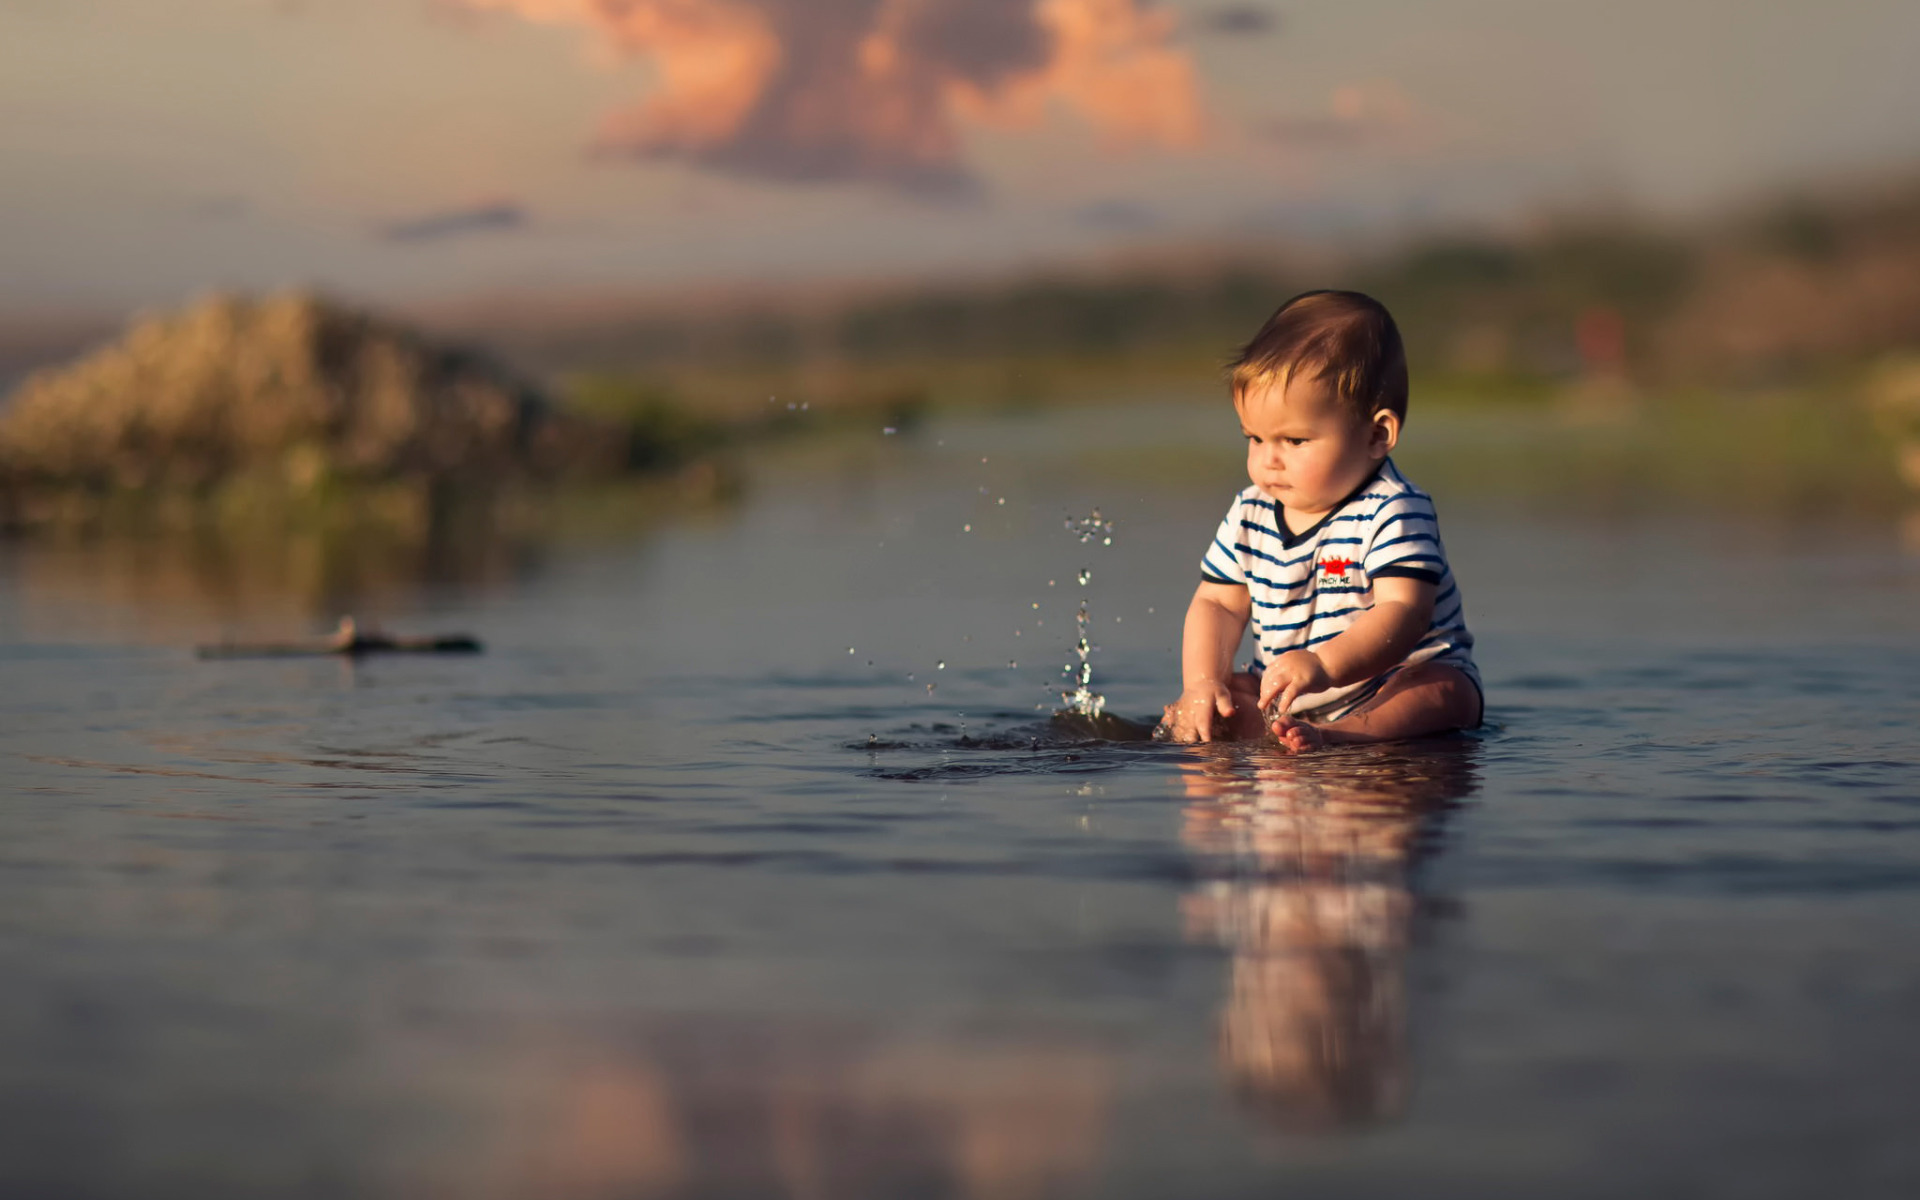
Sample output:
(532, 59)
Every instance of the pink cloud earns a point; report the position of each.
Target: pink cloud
(880, 90)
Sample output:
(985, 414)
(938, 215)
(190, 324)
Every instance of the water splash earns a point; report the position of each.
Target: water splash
(1091, 526)
(1083, 700)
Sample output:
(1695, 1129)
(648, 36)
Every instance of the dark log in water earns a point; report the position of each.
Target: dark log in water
(348, 640)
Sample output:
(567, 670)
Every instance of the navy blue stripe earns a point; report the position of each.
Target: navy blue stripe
(1216, 579)
(1312, 641)
(1341, 541)
(1278, 562)
(1264, 532)
(1411, 537)
(1393, 472)
(1325, 616)
(1276, 585)
(1377, 509)
(1306, 599)
(1410, 516)
(1394, 572)
(1418, 562)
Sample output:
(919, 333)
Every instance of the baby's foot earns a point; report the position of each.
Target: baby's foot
(1297, 737)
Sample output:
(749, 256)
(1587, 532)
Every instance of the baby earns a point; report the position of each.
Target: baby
(1359, 634)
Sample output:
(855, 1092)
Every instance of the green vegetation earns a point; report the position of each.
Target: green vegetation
(1804, 291)
(1788, 454)
(1750, 358)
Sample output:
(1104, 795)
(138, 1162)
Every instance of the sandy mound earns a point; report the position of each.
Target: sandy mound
(291, 387)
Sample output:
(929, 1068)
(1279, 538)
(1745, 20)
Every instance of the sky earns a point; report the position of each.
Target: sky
(415, 150)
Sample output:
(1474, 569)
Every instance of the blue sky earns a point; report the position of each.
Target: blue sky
(416, 149)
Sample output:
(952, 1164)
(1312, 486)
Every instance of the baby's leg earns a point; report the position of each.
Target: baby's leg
(1419, 700)
(1246, 721)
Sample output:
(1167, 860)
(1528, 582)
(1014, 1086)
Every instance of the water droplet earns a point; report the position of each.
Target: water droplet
(930, 689)
(791, 406)
(1106, 541)
(1149, 610)
(983, 458)
(1086, 577)
(869, 662)
(966, 529)
(909, 676)
(1089, 527)
(1012, 664)
(1036, 605)
(849, 649)
(888, 430)
(803, 406)
(1049, 584)
(941, 665)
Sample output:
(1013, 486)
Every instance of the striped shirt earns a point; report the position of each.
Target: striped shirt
(1307, 587)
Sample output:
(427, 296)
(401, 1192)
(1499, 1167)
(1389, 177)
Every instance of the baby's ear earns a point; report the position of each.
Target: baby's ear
(1385, 432)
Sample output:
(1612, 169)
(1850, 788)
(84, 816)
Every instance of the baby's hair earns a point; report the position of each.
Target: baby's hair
(1345, 337)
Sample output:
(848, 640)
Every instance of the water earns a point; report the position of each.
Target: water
(1083, 701)
(670, 894)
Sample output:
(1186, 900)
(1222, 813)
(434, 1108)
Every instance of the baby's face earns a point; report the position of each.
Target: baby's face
(1305, 447)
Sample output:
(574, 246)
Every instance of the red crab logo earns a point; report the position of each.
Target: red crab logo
(1336, 568)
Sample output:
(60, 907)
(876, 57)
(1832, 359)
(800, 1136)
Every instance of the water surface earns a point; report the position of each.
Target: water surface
(747, 863)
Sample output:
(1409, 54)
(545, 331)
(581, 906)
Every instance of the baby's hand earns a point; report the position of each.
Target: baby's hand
(1295, 673)
(1191, 717)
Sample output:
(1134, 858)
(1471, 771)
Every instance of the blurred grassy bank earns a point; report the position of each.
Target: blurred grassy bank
(1767, 360)
(1792, 454)
(1799, 290)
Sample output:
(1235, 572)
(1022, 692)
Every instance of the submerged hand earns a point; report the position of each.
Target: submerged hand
(1191, 717)
(1294, 674)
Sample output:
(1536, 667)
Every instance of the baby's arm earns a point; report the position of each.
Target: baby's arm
(1378, 639)
(1215, 621)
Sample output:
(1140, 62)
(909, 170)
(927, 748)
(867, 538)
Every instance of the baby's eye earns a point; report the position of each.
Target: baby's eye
(1254, 438)
(1296, 441)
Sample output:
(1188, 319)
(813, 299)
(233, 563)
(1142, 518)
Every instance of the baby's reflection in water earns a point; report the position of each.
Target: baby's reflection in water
(1310, 862)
